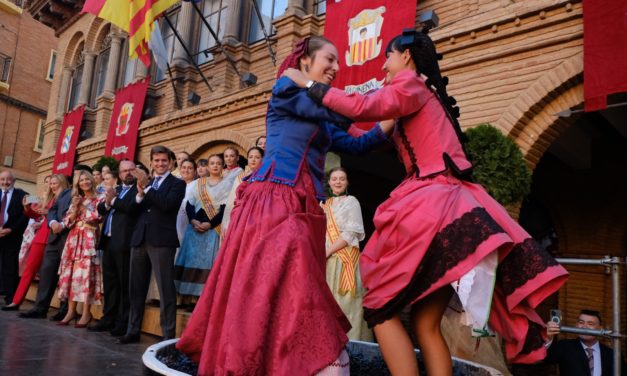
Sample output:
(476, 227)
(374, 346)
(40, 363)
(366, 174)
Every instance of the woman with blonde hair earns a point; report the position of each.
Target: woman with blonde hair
(80, 277)
(57, 184)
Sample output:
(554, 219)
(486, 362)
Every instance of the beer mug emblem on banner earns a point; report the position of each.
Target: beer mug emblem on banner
(124, 119)
(364, 31)
(67, 139)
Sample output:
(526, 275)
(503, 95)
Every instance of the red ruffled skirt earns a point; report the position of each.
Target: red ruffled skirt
(431, 232)
(266, 308)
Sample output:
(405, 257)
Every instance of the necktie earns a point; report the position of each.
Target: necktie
(3, 207)
(110, 216)
(590, 352)
(155, 182)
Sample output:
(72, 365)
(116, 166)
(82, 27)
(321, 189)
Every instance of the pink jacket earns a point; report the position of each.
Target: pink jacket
(424, 135)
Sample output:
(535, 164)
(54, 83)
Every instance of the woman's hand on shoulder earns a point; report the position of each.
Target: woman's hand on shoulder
(387, 126)
(297, 76)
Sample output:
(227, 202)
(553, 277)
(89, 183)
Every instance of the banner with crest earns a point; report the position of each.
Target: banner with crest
(68, 139)
(125, 118)
(361, 29)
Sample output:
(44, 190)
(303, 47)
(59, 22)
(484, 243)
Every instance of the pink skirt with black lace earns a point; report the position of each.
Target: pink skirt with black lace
(432, 232)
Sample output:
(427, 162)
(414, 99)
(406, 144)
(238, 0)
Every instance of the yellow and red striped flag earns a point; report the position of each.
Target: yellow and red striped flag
(133, 16)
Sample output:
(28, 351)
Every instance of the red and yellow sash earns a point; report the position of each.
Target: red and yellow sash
(349, 256)
(205, 200)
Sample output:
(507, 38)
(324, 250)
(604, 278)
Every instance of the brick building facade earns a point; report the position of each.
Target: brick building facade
(514, 64)
(27, 51)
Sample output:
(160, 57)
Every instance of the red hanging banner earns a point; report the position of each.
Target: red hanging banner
(604, 51)
(361, 30)
(68, 138)
(124, 126)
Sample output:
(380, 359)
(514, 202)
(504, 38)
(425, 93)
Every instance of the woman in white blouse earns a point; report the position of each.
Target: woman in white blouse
(345, 229)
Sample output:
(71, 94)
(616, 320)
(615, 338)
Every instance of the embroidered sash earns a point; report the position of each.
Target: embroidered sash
(205, 200)
(349, 256)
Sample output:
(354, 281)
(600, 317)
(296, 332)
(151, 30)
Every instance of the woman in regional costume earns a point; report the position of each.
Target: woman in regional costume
(439, 229)
(345, 229)
(254, 156)
(205, 207)
(266, 308)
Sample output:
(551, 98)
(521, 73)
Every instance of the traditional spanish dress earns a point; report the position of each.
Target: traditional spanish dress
(266, 309)
(230, 201)
(344, 222)
(438, 229)
(198, 252)
(80, 276)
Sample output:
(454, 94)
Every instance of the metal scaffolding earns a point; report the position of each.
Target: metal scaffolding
(613, 264)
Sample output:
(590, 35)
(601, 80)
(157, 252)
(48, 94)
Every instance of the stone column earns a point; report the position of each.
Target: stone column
(233, 22)
(184, 27)
(86, 80)
(141, 72)
(113, 65)
(296, 8)
(64, 89)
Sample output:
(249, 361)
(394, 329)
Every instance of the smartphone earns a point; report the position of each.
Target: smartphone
(556, 316)
(32, 199)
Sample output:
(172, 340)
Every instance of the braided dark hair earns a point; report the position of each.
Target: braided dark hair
(425, 57)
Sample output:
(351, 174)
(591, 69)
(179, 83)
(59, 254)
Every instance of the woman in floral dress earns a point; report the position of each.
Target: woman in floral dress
(80, 276)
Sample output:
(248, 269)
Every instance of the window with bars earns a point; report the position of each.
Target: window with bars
(39, 140)
(51, 65)
(75, 86)
(269, 11)
(100, 76)
(320, 7)
(215, 12)
(168, 40)
(5, 67)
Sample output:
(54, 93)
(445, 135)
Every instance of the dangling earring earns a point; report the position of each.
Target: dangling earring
(306, 68)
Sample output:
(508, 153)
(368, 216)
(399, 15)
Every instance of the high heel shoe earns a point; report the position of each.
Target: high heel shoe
(66, 323)
(80, 326)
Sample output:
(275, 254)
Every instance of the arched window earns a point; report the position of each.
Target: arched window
(215, 12)
(270, 10)
(100, 76)
(76, 80)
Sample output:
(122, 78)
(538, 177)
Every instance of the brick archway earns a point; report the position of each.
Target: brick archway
(531, 121)
(71, 48)
(95, 34)
(220, 137)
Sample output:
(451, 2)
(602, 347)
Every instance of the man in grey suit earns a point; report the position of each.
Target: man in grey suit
(154, 242)
(48, 276)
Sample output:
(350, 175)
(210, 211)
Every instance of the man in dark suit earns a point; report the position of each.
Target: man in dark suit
(12, 225)
(120, 213)
(48, 273)
(583, 356)
(154, 243)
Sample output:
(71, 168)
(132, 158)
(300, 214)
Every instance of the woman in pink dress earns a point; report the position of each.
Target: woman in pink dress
(80, 276)
(439, 229)
(57, 184)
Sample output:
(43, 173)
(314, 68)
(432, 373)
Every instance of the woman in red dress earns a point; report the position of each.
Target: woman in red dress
(266, 308)
(439, 229)
(57, 184)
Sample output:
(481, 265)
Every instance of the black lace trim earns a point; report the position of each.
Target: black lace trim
(523, 263)
(410, 150)
(449, 247)
(533, 340)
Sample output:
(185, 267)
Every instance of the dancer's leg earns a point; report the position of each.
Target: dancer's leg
(396, 347)
(426, 318)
